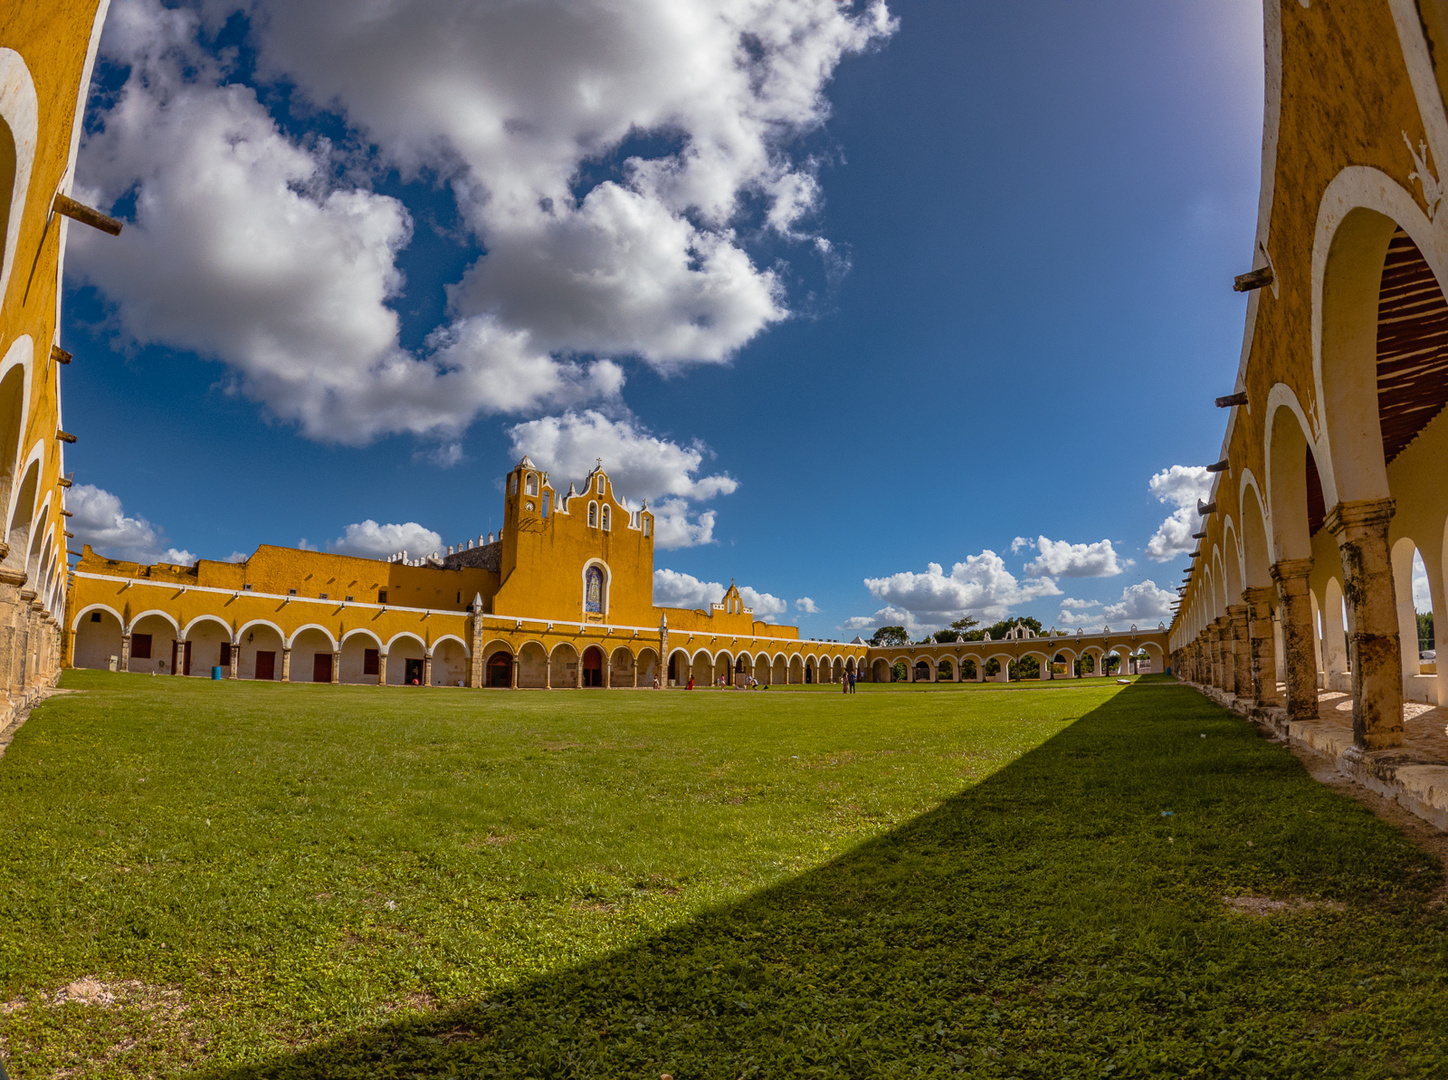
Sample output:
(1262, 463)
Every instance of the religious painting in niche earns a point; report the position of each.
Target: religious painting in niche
(593, 590)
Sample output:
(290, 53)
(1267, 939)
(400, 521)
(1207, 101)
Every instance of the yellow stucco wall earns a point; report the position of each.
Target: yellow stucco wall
(532, 606)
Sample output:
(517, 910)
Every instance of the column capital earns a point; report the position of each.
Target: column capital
(28, 595)
(1291, 569)
(14, 578)
(1359, 512)
(1236, 611)
(1262, 594)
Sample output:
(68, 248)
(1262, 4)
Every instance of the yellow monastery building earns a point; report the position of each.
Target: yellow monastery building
(563, 597)
(46, 53)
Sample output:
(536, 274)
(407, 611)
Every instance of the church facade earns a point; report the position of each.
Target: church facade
(562, 597)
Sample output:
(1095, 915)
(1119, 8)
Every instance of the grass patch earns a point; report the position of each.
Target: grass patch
(300, 881)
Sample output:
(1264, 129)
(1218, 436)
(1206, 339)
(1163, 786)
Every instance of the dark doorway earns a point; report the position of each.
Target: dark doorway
(322, 667)
(186, 660)
(414, 673)
(500, 670)
(266, 665)
(809, 673)
(593, 666)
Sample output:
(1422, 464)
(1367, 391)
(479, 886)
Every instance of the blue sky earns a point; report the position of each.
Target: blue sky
(867, 301)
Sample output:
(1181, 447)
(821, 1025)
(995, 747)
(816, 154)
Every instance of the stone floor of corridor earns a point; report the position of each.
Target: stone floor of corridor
(1414, 775)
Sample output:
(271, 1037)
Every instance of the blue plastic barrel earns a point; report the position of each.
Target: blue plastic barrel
(216, 673)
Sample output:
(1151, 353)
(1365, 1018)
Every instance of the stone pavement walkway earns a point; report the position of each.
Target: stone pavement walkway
(1414, 775)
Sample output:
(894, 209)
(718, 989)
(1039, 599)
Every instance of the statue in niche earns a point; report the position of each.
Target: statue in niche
(593, 591)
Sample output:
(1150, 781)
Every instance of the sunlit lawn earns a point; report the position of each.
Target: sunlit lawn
(319, 881)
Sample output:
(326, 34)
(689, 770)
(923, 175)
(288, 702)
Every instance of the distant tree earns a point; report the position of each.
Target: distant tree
(963, 625)
(1028, 668)
(945, 637)
(967, 670)
(890, 635)
(992, 668)
(899, 673)
(1425, 630)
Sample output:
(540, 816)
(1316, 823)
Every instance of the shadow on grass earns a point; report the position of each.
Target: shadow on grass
(1061, 918)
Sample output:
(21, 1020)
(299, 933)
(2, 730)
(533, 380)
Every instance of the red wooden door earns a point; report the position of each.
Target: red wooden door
(266, 665)
(322, 667)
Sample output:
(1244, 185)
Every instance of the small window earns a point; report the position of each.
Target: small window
(382, 596)
(600, 485)
(291, 592)
(513, 484)
(531, 484)
(246, 587)
(141, 646)
(350, 599)
(593, 515)
(547, 504)
(605, 519)
(95, 616)
(323, 596)
(369, 661)
(225, 659)
(460, 596)
(646, 526)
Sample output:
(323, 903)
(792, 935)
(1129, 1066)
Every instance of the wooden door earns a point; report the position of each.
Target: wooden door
(266, 665)
(322, 667)
(186, 660)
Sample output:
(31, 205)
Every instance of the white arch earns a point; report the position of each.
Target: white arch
(261, 622)
(353, 633)
(20, 111)
(492, 646)
(607, 585)
(311, 626)
(75, 623)
(186, 630)
(405, 634)
(153, 611)
(450, 637)
(1344, 312)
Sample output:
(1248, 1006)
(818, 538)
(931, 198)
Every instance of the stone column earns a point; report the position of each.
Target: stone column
(336, 667)
(1294, 606)
(426, 670)
(11, 582)
(1374, 647)
(286, 663)
(1262, 661)
(125, 664)
(477, 673)
(578, 672)
(381, 668)
(1211, 660)
(607, 673)
(179, 666)
(1239, 670)
(235, 670)
(513, 676)
(547, 672)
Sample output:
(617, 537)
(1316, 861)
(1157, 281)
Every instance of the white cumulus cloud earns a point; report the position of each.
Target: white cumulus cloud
(100, 521)
(808, 606)
(1180, 486)
(1143, 602)
(1060, 558)
(370, 540)
(980, 587)
(613, 161)
(675, 589)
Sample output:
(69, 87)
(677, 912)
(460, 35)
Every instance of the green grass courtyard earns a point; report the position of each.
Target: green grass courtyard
(247, 880)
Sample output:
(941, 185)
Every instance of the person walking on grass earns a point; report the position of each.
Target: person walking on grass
(852, 682)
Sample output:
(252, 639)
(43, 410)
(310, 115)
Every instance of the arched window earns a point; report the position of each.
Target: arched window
(593, 590)
(531, 484)
(513, 484)
(646, 526)
(600, 485)
(593, 515)
(605, 519)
